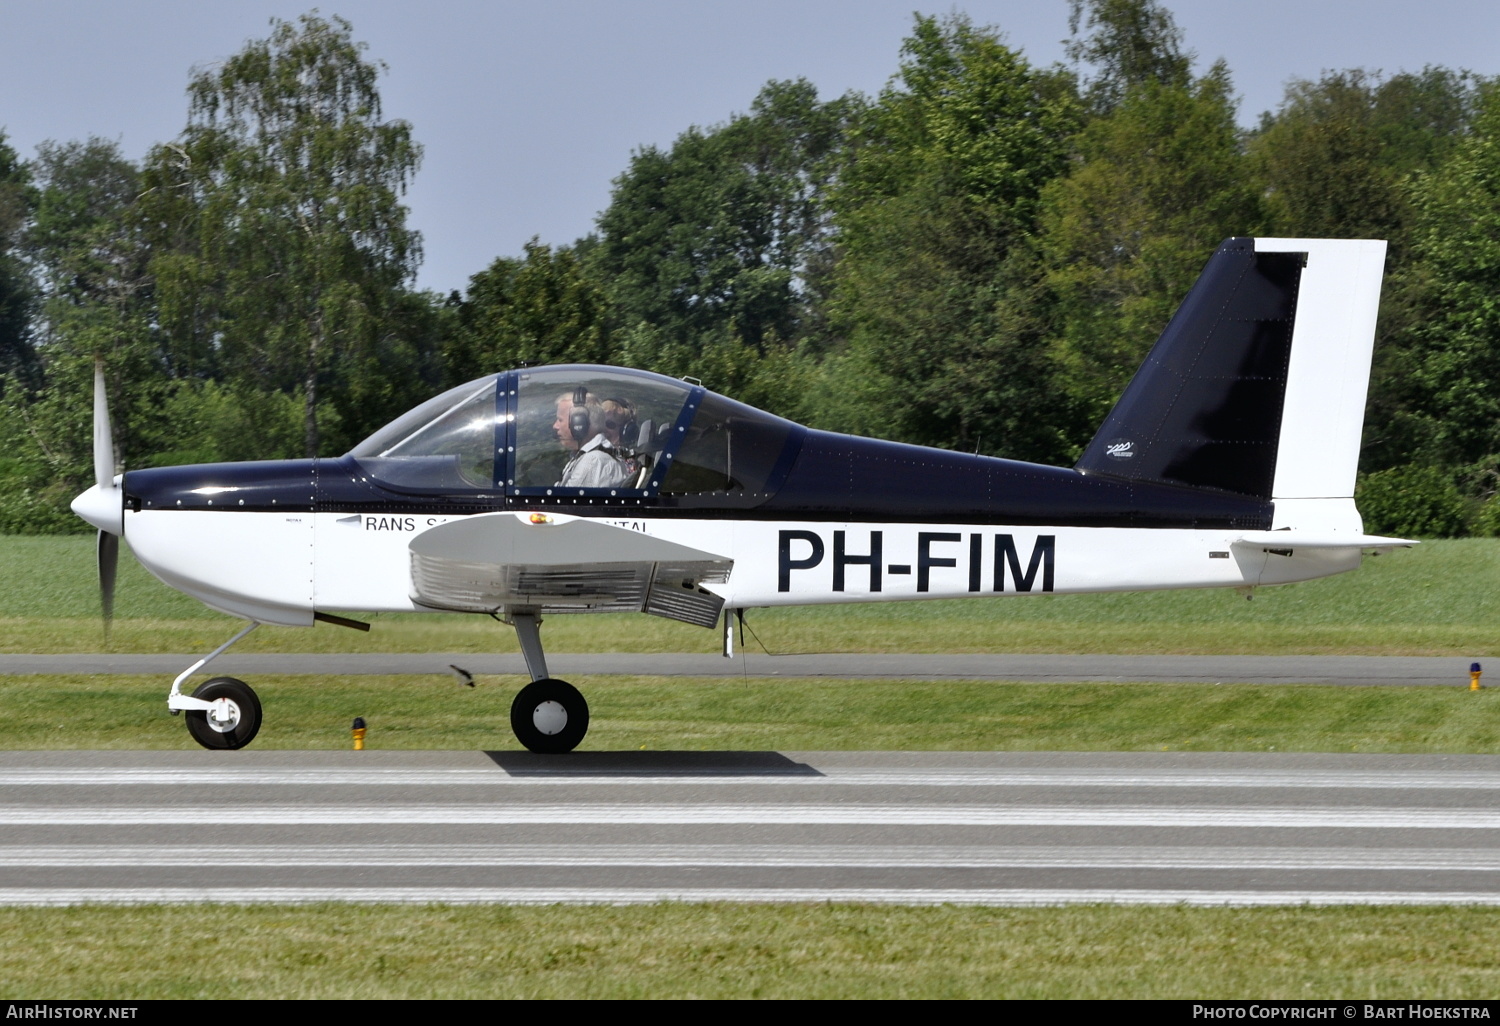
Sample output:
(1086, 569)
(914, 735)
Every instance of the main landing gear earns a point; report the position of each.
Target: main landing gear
(549, 716)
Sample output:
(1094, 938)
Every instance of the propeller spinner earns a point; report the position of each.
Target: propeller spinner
(103, 505)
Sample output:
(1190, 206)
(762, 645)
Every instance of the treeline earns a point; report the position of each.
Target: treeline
(976, 258)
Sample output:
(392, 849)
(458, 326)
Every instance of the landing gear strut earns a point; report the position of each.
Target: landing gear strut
(549, 716)
(223, 713)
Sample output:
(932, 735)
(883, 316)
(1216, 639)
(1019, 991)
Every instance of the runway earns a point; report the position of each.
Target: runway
(631, 827)
(1445, 671)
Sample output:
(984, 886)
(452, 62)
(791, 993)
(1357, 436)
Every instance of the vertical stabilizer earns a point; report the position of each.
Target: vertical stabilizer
(1257, 386)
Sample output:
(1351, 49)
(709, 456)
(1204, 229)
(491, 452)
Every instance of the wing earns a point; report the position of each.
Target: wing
(559, 564)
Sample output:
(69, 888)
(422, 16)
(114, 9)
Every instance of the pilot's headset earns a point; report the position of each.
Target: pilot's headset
(578, 418)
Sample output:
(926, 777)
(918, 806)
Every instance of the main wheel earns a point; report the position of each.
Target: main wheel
(549, 716)
(235, 719)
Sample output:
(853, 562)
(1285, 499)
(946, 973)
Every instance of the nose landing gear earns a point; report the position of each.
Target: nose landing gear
(223, 713)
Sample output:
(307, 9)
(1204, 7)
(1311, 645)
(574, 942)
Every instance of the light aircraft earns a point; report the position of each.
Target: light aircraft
(1229, 462)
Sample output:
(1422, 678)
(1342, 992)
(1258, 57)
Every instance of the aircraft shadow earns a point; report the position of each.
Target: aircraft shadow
(653, 764)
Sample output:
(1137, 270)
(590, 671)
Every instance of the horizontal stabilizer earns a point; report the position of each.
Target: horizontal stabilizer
(495, 561)
(1275, 541)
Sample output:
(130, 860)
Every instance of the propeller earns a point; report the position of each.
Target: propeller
(104, 504)
(108, 549)
(104, 437)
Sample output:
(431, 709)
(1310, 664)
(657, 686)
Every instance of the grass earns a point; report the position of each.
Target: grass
(631, 713)
(1437, 599)
(735, 951)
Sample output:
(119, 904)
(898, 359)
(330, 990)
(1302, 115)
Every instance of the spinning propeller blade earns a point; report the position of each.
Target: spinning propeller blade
(108, 550)
(104, 440)
(109, 561)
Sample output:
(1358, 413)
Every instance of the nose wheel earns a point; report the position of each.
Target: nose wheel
(549, 716)
(232, 719)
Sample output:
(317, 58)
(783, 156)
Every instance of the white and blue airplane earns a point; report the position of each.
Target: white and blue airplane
(1228, 462)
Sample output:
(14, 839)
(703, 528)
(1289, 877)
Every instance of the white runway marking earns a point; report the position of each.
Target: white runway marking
(760, 856)
(698, 814)
(43, 896)
(496, 777)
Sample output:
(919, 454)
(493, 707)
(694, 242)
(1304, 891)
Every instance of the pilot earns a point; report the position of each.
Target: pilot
(584, 425)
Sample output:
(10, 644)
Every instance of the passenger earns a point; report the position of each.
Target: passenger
(619, 421)
(623, 432)
(581, 426)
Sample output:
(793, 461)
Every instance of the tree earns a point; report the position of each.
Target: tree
(543, 308)
(1157, 179)
(1132, 42)
(1157, 183)
(92, 261)
(1338, 159)
(25, 503)
(935, 212)
(726, 234)
(280, 209)
(1455, 364)
(1333, 159)
(93, 299)
(17, 292)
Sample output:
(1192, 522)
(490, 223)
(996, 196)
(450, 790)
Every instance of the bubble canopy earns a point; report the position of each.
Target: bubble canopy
(584, 432)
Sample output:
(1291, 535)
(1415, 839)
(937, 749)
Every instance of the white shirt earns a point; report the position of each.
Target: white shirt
(595, 466)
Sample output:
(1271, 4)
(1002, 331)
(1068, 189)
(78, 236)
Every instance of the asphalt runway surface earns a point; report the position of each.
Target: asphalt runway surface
(1445, 671)
(628, 827)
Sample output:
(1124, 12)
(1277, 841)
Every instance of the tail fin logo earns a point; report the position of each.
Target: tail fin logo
(1120, 449)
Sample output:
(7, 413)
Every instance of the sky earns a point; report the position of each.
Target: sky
(528, 110)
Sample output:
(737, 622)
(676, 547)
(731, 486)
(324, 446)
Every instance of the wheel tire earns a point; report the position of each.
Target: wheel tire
(243, 705)
(549, 716)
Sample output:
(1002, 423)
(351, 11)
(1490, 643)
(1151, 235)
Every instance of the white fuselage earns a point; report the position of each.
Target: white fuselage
(280, 568)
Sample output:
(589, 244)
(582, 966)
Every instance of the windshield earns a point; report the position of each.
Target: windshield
(446, 443)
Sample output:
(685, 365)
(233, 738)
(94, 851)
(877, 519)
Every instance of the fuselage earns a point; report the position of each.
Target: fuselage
(840, 519)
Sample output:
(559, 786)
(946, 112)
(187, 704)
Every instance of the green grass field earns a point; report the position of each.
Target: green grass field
(738, 951)
(760, 714)
(1436, 599)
